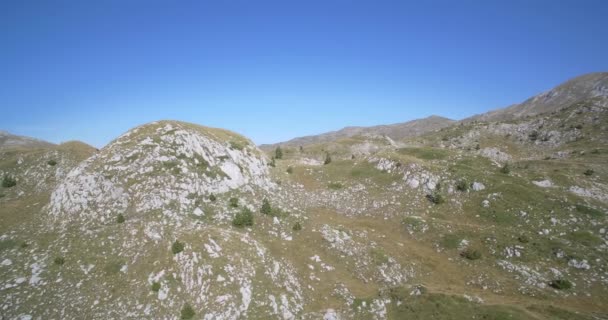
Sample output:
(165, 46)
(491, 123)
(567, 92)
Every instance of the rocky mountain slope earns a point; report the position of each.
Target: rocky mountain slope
(577, 89)
(481, 220)
(394, 131)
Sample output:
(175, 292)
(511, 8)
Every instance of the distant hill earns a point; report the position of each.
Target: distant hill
(8, 140)
(580, 88)
(394, 131)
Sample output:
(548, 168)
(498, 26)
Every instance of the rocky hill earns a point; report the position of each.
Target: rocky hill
(475, 220)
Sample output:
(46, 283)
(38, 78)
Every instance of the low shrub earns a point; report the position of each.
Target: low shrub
(51, 163)
(177, 247)
(233, 202)
(297, 227)
(435, 198)
(266, 208)
(120, 218)
(462, 185)
(471, 254)
(212, 197)
(155, 286)
(589, 172)
(560, 284)
(506, 169)
(8, 181)
(289, 170)
(327, 159)
(59, 261)
(243, 218)
(187, 312)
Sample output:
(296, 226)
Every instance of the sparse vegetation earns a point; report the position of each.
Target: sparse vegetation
(187, 312)
(327, 159)
(59, 261)
(462, 185)
(471, 254)
(244, 218)
(120, 218)
(561, 284)
(289, 170)
(51, 163)
(297, 226)
(233, 202)
(278, 153)
(8, 181)
(435, 198)
(177, 247)
(506, 169)
(589, 172)
(155, 286)
(266, 208)
(212, 197)
(335, 185)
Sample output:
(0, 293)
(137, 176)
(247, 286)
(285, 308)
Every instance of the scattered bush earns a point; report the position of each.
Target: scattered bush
(212, 197)
(435, 198)
(278, 153)
(233, 202)
(120, 218)
(155, 286)
(243, 218)
(471, 254)
(272, 163)
(560, 284)
(335, 185)
(506, 169)
(297, 227)
(51, 163)
(533, 136)
(177, 247)
(235, 145)
(59, 261)
(327, 159)
(266, 208)
(187, 312)
(523, 239)
(462, 185)
(589, 172)
(8, 181)
(289, 170)
(477, 147)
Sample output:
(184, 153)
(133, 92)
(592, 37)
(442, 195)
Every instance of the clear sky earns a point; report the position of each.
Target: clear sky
(274, 70)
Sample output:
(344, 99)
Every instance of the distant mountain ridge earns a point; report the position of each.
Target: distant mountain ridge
(394, 131)
(8, 140)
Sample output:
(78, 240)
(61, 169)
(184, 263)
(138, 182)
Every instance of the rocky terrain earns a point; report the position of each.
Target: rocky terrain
(494, 217)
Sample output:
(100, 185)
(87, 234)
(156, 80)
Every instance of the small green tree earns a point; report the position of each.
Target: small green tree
(272, 163)
(301, 149)
(177, 247)
(327, 159)
(155, 286)
(297, 227)
(561, 284)
(187, 312)
(52, 163)
(243, 218)
(289, 170)
(120, 218)
(233, 202)
(8, 181)
(589, 172)
(212, 197)
(278, 153)
(266, 208)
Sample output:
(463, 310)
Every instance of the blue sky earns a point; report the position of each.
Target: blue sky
(274, 70)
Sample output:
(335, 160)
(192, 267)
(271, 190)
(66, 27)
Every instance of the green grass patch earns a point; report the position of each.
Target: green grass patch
(426, 153)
